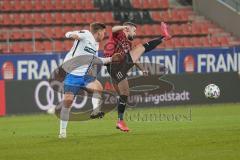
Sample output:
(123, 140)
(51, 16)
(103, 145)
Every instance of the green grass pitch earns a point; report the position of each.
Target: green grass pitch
(210, 132)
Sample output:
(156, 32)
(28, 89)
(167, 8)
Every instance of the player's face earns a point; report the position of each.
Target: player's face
(101, 35)
(132, 33)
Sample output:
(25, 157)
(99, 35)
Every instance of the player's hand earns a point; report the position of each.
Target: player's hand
(126, 28)
(145, 73)
(117, 57)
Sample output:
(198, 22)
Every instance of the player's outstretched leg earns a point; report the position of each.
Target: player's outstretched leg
(142, 48)
(123, 89)
(96, 88)
(64, 114)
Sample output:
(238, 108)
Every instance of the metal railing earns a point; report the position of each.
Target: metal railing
(10, 42)
(234, 4)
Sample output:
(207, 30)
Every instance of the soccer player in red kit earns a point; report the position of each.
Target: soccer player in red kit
(120, 43)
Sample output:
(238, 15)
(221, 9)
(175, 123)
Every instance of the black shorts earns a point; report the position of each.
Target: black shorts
(118, 71)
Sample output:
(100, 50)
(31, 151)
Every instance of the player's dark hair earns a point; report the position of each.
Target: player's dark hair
(129, 24)
(96, 26)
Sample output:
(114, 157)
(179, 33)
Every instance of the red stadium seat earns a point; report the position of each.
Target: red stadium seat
(196, 42)
(136, 3)
(7, 19)
(38, 5)
(186, 42)
(39, 47)
(67, 45)
(156, 16)
(28, 47)
(108, 17)
(49, 32)
(7, 5)
(223, 41)
(27, 35)
(149, 29)
(48, 5)
(17, 48)
(48, 18)
(16, 35)
(58, 18)
(164, 4)
(68, 18)
(88, 4)
(68, 5)
(39, 33)
(205, 42)
(58, 32)
(18, 19)
(214, 42)
(90, 17)
(48, 46)
(27, 5)
(146, 4)
(67, 29)
(178, 43)
(59, 46)
(59, 5)
(38, 18)
(176, 30)
(79, 19)
(27, 18)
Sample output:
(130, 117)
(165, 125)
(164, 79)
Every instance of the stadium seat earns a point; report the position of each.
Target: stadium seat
(28, 47)
(27, 18)
(48, 46)
(196, 42)
(27, 35)
(67, 45)
(58, 18)
(17, 47)
(49, 31)
(7, 5)
(58, 32)
(48, 18)
(7, 19)
(214, 42)
(155, 15)
(177, 43)
(59, 5)
(68, 18)
(136, 3)
(186, 42)
(38, 18)
(38, 5)
(49, 5)
(39, 47)
(59, 46)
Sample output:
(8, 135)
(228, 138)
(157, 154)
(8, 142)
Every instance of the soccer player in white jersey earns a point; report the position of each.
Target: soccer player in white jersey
(86, 43)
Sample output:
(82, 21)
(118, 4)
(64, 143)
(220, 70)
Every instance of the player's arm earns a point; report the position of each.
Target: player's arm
(117, 57)
(76, 35)
(118, 28)
(141, 68)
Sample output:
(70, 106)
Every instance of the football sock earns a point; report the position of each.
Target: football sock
(152, 44)
(121, 106)
(64, 116)
(96, 101)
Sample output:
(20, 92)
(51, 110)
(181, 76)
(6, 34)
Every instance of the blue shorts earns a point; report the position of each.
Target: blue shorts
(73, 83)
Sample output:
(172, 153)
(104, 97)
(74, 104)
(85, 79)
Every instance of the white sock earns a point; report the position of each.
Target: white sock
(63, 126)
(64, 117)
(97, 102)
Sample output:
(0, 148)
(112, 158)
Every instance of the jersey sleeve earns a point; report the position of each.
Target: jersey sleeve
(81, 34)
(117, 34)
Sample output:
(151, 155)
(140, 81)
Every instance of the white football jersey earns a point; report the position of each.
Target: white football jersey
(81, 54)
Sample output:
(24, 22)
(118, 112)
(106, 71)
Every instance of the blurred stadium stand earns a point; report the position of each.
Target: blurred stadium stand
(28, 26)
